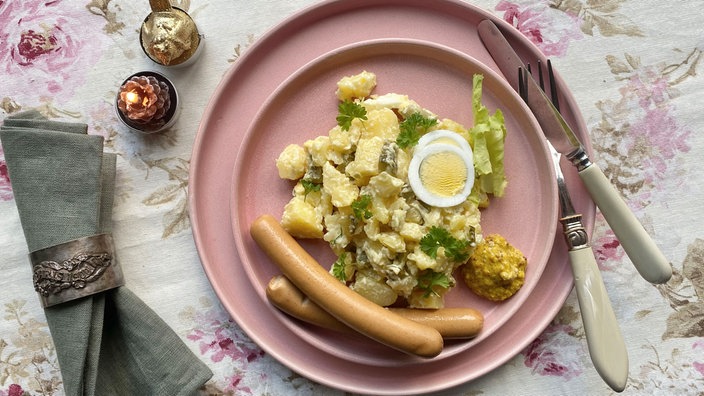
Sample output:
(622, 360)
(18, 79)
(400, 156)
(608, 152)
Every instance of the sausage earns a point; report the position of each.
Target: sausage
(450, 322)
(285, 296)
(337, 299)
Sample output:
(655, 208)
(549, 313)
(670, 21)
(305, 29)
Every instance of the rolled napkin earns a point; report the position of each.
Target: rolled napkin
(111, 342)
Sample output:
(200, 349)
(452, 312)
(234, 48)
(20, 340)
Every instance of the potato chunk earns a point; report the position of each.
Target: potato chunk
(356, 86)
(301, 219)
(292, 162)
(382, 123)
(366, 161)
(342, 191)
(370, 285)
(318, 149)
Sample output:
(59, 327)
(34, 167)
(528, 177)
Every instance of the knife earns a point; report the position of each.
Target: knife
(638, 245)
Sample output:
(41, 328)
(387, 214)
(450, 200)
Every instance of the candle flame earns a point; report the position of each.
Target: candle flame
(132, 97)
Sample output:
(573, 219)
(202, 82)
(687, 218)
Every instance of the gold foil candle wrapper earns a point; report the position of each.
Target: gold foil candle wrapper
(170, 37)
(147, 102)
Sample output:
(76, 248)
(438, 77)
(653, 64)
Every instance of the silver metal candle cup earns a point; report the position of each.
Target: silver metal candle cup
(163, 123)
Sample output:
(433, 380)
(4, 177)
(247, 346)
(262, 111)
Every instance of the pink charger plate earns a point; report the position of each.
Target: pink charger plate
(235, 104)
(439, 78)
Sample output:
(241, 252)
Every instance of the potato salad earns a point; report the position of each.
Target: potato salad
(396, 191)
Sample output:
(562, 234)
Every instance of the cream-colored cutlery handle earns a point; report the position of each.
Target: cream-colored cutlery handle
(640, 247)
(606, 346)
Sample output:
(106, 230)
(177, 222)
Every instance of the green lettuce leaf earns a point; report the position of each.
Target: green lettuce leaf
(488, 136)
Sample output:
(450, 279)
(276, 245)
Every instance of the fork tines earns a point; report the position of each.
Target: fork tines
(523, 82)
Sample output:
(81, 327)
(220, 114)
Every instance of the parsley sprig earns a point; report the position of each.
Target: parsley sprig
(309, 186)
(437, 237)
(338, 268)
(360, 207)
(348, 111)
(412, 128)
(429, 279)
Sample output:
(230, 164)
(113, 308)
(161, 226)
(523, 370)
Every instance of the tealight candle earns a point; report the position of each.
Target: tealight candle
(169, 36)
(147, 102)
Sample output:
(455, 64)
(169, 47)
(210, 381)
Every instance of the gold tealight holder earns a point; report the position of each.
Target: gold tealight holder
(169, 36)
(147, 102)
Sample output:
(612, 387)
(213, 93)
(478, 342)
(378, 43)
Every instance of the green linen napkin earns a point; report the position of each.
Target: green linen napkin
(110, 343)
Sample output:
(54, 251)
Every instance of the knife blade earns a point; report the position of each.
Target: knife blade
(645, 255)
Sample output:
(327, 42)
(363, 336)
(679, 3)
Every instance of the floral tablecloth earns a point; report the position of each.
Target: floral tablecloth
(635, 68)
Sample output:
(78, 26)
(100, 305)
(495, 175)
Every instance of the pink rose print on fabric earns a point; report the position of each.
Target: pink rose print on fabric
(551, 30)
(5, 186)
(555, 353)
(699, 366)
(14, 390)
(607, 250)
(219, 339)
(658, 126)
(640, 135)
(43, 51)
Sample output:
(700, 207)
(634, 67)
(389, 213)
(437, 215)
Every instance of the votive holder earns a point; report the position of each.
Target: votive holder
(147, 102)
(169, 36)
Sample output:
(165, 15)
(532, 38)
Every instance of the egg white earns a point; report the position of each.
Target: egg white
(442, 135)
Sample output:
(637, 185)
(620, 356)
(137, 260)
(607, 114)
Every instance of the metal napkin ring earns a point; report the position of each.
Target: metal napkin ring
(75, 269)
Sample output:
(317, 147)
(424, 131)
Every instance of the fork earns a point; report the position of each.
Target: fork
(606, 346)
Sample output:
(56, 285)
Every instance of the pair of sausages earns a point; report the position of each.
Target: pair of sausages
(452, 323)
(337, 300)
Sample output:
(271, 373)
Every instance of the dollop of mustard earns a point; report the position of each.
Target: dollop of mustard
(496, 270)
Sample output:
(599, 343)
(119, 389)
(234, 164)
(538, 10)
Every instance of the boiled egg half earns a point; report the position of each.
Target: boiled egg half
(441, 172)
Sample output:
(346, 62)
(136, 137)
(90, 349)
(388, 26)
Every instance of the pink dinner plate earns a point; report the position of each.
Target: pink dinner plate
(440, 79)
(233, 108)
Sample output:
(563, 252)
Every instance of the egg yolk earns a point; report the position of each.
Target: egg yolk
(443, 173)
